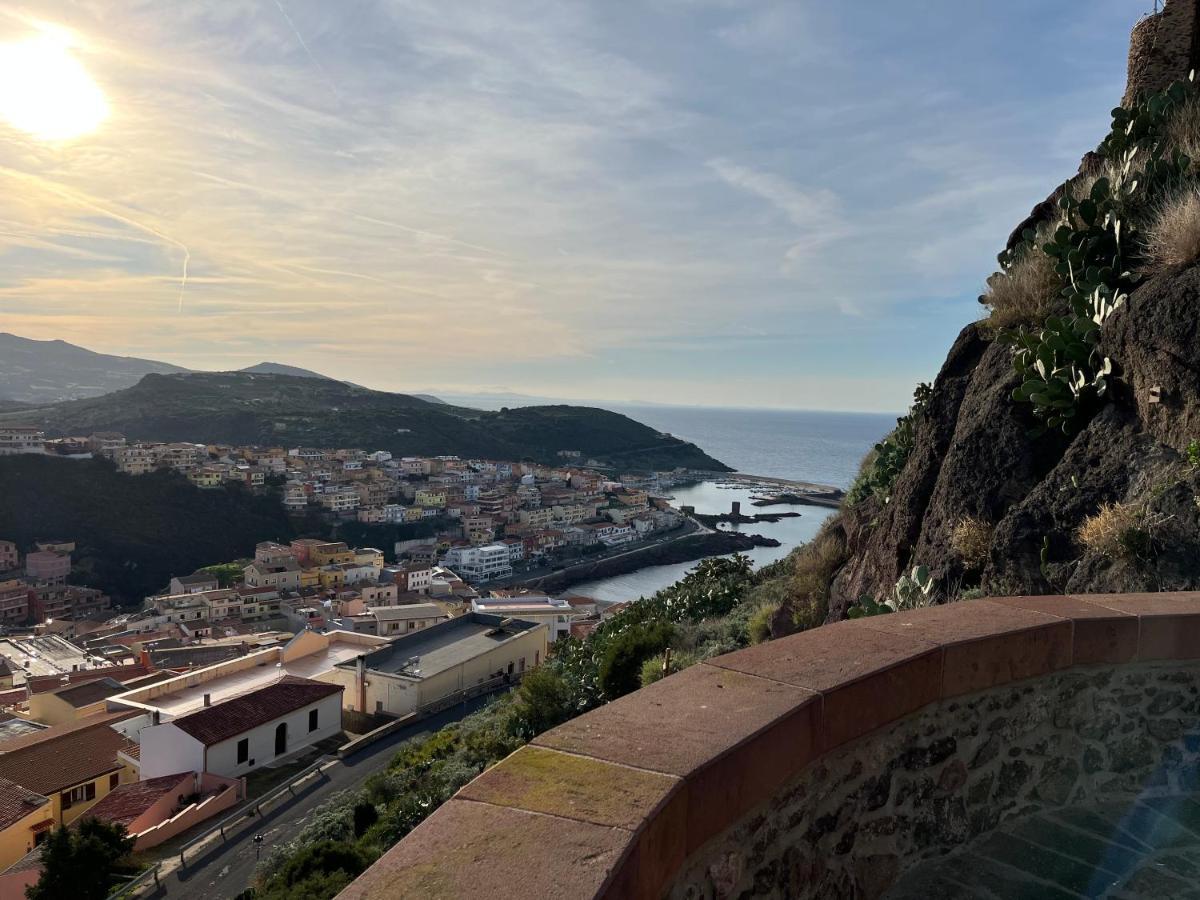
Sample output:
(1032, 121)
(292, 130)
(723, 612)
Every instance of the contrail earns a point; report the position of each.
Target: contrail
(84, 200)
(320, 68)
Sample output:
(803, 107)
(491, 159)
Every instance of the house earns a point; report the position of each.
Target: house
(14, 602)
(232, 738)
(73, 701)
(25, 821)
(411, 617)
(282, 573)
(14, 440)
(49, 566)
(439, 662)
(194, 583)
(10, 558)
(484, 563)
(157, 809)
(72, 765)
(555, 612)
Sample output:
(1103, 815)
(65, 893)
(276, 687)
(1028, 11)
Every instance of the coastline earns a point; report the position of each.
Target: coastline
(689, 548)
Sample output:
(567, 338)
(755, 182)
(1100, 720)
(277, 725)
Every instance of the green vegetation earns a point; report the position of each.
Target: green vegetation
(1097, 253)
(912, 591)
(621, 667)
(82, 862)
(706, 613)
(225, 573)
(132, 532)
(1193, 454)
(883, 466)
(275, 410)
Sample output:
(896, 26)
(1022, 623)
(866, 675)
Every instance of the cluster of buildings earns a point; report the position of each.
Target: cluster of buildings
(34, 588)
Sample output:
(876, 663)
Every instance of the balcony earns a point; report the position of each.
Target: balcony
(1008, 747)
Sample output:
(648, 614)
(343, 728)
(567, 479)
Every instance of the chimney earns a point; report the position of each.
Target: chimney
(208, 699)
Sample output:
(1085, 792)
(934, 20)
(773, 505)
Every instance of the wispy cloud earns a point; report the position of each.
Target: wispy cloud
(409, 192)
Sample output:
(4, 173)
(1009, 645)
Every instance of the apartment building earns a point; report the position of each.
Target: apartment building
(14, 440)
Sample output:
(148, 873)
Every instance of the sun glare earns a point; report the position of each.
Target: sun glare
(46, 92)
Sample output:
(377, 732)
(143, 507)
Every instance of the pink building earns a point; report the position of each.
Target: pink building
(52, 566)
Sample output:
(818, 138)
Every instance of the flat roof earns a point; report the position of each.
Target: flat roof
(188, 699)
(447, 644)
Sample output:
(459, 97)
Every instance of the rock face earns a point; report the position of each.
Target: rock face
(974, 457)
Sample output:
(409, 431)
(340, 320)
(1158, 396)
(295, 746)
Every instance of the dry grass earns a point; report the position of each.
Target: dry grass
(971, 540)
(1025, 293)
(1183, 131)
(813, 569)
(1115, 531)
(1172, 237)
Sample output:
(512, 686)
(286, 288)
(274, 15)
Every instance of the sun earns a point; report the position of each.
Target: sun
(46, 92)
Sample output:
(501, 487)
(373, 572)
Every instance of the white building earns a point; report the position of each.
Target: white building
(483, 563)
(555, 612)
(404, 619)
(247, 732)
(21, 440)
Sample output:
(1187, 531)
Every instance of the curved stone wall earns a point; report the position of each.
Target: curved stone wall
(827, 763)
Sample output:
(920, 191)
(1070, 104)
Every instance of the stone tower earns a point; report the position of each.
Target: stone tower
(1164, 47)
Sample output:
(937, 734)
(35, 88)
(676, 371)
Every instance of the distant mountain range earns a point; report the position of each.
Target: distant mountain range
(290, 410)
(51, 371)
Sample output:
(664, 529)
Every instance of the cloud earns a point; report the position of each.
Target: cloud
(508, 191)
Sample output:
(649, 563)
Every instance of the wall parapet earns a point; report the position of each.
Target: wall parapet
(641, 796)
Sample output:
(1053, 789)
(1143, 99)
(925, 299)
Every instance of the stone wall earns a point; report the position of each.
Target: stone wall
(1162, 48)
(858, 819)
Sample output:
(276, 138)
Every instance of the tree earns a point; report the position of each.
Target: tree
(316, 872)
(621, 666)
(80, 862)
(543, 701)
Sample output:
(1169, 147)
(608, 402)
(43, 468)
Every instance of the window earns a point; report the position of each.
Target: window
(81, 794)
(312, 720)
(113, 780)
(243, 750)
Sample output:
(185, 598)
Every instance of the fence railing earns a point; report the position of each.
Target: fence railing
(136, 883)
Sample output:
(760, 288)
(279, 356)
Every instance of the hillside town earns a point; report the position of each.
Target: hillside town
(168, 710)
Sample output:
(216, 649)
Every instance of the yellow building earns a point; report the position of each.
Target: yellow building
(74, 702)
(25, 820)
(437, 663)
(310, 578)
(430, 497)
(73, 766)
(332, 576)
(205, 478)
(331, 554)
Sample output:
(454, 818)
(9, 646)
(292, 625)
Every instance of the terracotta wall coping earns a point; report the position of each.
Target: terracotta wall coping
(611, 804)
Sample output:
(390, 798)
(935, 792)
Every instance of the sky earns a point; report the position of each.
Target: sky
(718, 202)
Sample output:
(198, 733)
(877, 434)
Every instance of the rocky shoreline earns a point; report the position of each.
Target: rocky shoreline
(685, 549)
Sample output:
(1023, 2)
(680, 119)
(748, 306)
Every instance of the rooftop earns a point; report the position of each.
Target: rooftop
(126, 802)
(16, 802)
(56, 760)
(241, 714)
(88, 692)
(447, 644)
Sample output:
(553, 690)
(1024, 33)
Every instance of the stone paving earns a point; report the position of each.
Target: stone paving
(1116, 851)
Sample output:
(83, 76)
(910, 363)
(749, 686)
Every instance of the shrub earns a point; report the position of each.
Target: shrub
(1120, 531)
(1182, 132)
(1193, 453)
(970, 540)
(813, 568)
(1025, 292)
(365, 815)
(759, 627)
(1172, 237)
(621, 665)
(890, 455)
(543, 701)
(316, 870)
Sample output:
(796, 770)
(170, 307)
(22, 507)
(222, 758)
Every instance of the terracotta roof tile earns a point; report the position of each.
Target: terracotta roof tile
(17, 802)
(237, 716)
(59, 761)
(126, 802)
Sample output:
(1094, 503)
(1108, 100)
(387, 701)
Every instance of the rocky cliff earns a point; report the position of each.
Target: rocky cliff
(1078, 467)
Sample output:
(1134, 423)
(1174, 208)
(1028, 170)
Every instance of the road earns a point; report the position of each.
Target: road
(222, 870)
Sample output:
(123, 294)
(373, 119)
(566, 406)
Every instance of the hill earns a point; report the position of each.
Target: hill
(272, 368)
(49, 371)
(120, 521)
(1058, 449)
(240, 408)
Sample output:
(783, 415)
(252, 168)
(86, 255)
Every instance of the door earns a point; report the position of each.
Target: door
(281, 738)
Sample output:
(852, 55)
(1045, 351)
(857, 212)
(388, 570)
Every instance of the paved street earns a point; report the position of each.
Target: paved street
(222, 870)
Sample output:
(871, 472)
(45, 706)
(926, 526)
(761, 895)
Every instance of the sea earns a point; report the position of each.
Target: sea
(801, 445)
